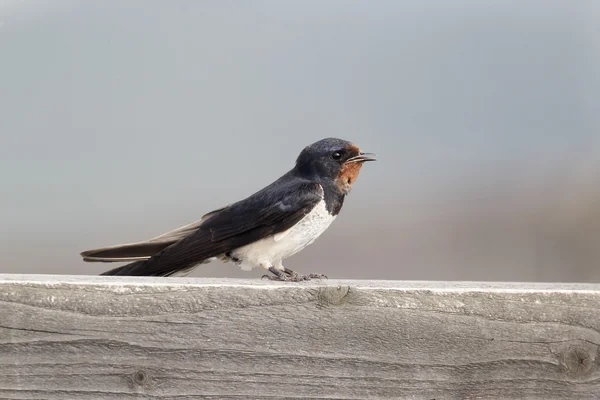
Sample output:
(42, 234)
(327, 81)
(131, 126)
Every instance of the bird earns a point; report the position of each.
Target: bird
(261, 230)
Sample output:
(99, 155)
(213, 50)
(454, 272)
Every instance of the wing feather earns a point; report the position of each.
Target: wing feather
(270, 211)
(146, 249)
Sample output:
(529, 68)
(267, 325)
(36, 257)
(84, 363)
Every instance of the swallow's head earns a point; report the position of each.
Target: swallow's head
(333, 159)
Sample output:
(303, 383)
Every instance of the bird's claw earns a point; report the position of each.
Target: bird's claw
(306, 277)
(280, 278)
(316, 276)
(287, 275)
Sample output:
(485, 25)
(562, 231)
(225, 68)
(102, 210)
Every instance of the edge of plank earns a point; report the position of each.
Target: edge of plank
(434, 286)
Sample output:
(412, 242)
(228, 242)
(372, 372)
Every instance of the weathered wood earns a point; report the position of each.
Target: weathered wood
(176, 338)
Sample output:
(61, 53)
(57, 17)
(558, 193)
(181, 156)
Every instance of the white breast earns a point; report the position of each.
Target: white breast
(271, 250)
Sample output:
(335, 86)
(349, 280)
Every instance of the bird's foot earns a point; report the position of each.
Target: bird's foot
(300, 277)
(288, 275)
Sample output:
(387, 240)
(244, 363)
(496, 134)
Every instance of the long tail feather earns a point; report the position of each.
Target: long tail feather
(125, 252)
(134, 268)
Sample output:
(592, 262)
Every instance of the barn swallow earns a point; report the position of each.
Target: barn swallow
(259, 231)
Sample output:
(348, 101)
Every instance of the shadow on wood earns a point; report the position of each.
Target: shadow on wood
(181, 338)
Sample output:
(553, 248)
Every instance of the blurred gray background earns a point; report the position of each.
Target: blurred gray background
(120, 120)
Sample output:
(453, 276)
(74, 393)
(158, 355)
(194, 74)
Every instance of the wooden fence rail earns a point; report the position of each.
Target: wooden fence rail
(64, 337)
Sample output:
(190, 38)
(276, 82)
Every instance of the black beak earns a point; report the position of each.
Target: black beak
(362, 157)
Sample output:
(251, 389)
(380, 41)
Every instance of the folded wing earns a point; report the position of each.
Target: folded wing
(269, 211)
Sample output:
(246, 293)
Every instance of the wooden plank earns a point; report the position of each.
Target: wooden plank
(186, 338)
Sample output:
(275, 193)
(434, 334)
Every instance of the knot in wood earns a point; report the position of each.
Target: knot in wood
(332, 295)
(578, 361)
(140, 377)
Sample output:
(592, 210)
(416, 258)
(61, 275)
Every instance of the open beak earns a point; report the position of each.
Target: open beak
(362, 157)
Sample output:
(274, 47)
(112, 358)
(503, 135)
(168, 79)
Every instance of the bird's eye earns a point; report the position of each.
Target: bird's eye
(336, 156)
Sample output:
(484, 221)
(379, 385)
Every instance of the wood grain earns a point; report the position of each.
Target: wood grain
(65, 337)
